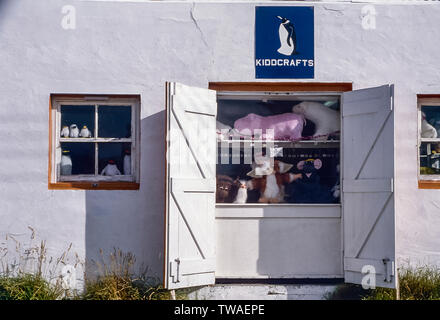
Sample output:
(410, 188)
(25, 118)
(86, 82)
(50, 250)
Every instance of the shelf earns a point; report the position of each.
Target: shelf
(286, 144)
(95, 178)
(432, 140)
(95, 139)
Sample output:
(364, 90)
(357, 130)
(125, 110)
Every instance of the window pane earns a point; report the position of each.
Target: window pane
(430, 122)
(114, 121)
(114, 156)
(429, 158)
(81, 156)
(77, 116)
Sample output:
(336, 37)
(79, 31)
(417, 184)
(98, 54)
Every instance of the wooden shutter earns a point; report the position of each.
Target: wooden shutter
(368, 179)
(190, 186)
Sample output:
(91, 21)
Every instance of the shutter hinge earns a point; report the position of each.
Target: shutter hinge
(389, 269)
(175, 270)
(392, 185)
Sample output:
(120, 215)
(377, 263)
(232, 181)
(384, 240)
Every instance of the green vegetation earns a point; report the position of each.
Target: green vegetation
(416, 283)
(117, 281)
(28, 273)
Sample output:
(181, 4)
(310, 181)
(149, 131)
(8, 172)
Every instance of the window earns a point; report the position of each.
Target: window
(429, 141)
(94, 142)
(298, 162)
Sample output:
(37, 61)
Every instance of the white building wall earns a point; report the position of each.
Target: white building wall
(133, 48)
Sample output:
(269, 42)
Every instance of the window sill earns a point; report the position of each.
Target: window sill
(429, 184)
(98, 185)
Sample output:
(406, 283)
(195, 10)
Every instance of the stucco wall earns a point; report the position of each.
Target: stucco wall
(133, 48)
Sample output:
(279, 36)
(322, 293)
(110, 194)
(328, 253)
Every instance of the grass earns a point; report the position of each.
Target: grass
(118, 281)
(416, 283)
(27, 272)
(28, 287)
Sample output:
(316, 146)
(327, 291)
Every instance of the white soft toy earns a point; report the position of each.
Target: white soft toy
(326, 120)
(428, 131)
(110, 169)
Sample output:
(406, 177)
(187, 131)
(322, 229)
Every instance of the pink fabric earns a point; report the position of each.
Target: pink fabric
(285, 126)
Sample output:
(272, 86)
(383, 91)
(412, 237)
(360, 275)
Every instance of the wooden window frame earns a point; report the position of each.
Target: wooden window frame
(429, 181)
(91, 182)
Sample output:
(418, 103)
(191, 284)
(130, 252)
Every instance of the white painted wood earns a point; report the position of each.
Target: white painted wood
(368, 178)
(285, 211)
(267, 247)
(190, 189)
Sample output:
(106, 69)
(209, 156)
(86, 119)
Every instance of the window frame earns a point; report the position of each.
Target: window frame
(426, 181)
(285, 90)
(94, 181)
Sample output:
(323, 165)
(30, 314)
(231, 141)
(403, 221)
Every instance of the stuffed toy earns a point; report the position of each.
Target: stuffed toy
(226, 190)
(241, 192)
(428, 131)
(308, 189)
(269, 179)
(327, 121)
(435, 122)
(285, 126)
(336, 190)
(111, 169)
(225, 132)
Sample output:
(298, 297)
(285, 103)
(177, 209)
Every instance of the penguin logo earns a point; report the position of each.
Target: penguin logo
(287, 37)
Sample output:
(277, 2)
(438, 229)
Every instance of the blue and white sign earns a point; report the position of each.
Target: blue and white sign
(284, 42)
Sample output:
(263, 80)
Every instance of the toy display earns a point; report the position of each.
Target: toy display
(300, 166)
(74, 131)
(110, 169)
(308, 189)
(435, 122)
(428, 131)
(85, 133)
(241, 192)
(226, 189)
(336, 190)
(285, 126)
(326, 120)
(127, 162)
(65, 132)
(270, 180)
(66, 163)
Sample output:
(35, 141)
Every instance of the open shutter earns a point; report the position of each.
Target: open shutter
(190, 186)
(368, 191)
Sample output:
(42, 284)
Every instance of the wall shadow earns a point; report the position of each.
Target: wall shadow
(132, 220)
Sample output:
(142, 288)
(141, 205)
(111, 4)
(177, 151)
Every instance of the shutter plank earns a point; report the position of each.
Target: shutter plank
(368, 194)
(190, 209)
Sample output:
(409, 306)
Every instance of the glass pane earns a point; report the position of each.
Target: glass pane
(114, 121)
(429, 158)
(248, 117)
(320, 185)
(430, 121)
(114, 158)
(77, 118)
(77, 158)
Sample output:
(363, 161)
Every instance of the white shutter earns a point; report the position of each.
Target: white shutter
(190, 187)
(368, 178)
